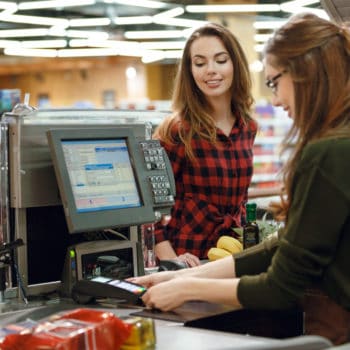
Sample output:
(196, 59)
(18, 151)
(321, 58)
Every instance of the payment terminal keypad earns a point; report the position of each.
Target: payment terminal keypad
(160, 176)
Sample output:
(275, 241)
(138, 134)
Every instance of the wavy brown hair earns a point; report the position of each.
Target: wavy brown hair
(191, 111)
(316, 53)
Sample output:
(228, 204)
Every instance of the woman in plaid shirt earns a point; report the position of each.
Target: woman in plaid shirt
(209, 140)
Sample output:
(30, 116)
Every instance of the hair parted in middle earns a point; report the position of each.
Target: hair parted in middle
(191, 111)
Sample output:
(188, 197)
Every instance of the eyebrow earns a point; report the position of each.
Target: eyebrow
(216, 55)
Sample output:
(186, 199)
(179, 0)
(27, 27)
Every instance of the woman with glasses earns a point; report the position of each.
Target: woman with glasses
(209, 140)
(307, 65)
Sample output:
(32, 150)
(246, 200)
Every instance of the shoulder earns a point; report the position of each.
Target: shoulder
(168, 129)
(330, 155)
(338, 148)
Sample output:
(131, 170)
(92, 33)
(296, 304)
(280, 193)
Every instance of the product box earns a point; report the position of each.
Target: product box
(73, 330)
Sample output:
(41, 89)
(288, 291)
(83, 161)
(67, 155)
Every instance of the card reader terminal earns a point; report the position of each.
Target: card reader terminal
(87, 290)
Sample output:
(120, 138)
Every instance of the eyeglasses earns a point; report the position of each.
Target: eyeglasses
(272, 83)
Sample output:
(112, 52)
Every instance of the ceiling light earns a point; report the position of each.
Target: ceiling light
(180, 22)
(41, 44)
(8, 9)
(163, 45)
(233, 8)
(153, 34)
(133, 20)
(140, 3)
(32, 5)
(120, 45)
(152, 56)
(268, 24)
(262, 37)
(89, 22)
(9, 43)
(37, 20)
(87, 34)
(173, 54)
(256, 66)
(130, 73)
(86, 52)
(259, 47)
(293, 9)
(30, 52)
(15, 33)
(178, 11)
(300, 3)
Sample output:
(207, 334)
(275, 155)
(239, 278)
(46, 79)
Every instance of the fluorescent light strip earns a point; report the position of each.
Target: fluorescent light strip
(180, 22)
(233, 8)
(89, 22)
(293, 9)
(120, 45)
(8, 5)
(163, 45)
(8, 9)
(138, 3)
(86, 52)
(133, 20)
(262, 37)
(30, 52)
(268, 24)
(178, 11)
(300, 3)
(43, 44)
(153, 56)
(153, 34)
(32, 5)
(259, 47)
(15, 33)
(9, 43)
(38, 20)
(173, 54)
(87, 34)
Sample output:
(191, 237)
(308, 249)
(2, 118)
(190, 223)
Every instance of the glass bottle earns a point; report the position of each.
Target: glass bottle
(251, 235)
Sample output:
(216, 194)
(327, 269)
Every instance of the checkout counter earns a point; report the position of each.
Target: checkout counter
(51, 163)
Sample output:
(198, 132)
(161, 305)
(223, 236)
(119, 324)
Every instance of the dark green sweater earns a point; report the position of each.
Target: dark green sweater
(314, 248)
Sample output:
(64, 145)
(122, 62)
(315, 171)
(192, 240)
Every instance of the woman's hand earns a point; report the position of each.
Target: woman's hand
(166, 296)
(153, 279)
(190, 259)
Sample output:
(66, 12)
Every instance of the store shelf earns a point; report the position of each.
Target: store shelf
(273, 124)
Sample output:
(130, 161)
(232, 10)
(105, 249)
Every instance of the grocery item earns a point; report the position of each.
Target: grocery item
(71, 330)
(230, 244)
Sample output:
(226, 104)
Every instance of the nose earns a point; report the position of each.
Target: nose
(211, 67)
(275, 101)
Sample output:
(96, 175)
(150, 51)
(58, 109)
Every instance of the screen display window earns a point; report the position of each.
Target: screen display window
(101, 174)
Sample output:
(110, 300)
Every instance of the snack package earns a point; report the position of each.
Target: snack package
(142, 335)
(72, 330)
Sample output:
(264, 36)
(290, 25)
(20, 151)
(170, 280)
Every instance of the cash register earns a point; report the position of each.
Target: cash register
(108, 180)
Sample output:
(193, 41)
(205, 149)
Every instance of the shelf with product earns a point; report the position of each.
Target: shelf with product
(273, 124)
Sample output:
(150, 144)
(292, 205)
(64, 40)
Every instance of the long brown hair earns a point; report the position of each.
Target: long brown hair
(191, 115)
(316, 53)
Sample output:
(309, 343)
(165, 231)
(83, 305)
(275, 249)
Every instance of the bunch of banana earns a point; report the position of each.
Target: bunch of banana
(225, 246)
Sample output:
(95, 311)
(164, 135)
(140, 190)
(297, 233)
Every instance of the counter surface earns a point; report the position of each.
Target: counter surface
(170, 335)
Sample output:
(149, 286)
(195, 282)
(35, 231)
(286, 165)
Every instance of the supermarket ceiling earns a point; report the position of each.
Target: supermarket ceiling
(150, 29)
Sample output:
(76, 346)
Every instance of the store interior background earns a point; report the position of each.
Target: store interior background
(126, 82)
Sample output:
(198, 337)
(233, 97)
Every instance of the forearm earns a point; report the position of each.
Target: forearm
(222, 291)
(223, 268)
(165, 251)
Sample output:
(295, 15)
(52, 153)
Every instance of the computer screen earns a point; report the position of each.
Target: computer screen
(101, 178)
(101, 174)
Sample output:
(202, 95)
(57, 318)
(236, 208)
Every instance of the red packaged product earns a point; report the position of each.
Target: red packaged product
(79, 329)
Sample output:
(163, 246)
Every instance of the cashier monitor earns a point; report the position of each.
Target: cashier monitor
(106, 179)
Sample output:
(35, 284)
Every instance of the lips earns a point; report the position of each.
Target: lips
(213, 82)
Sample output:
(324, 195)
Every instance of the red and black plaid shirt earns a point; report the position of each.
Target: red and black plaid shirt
(211, 193)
